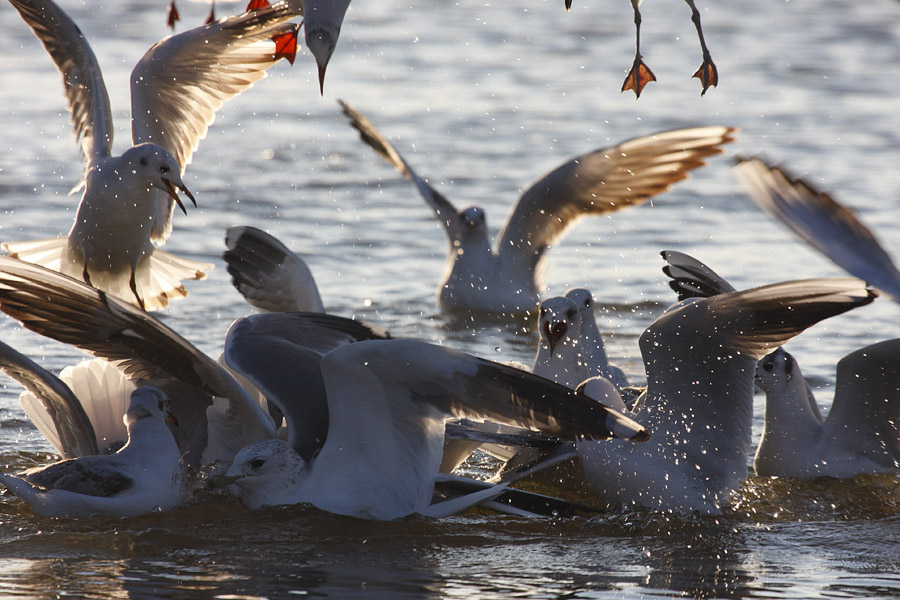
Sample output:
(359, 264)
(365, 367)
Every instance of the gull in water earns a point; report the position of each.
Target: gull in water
(508, 281)
(267, 274)
(128, 201)
(388, 401)
(144, 476)
(822, 222)
(860, 434)
(571, 348)
(216, 415)
(862, 431)
(700, 357)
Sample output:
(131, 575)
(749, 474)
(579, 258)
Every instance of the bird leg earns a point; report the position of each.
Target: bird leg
(640, 74)
(707, 73)
(173, 16)
(133, 285)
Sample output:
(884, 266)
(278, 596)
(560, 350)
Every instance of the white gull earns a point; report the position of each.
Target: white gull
(862, 431)
(128, 201)
(144, 476)
(860, 434)
(700, 357)
(508, 281)
(388, 402)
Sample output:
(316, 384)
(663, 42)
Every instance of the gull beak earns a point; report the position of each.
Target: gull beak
(555, 332)
(322, 79)
(171, 420)
(172, 189)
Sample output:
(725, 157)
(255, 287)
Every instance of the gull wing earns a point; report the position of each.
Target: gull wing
(85, 90)
(866, 406)
(182, 81)
(281, 354)
(603, 181)
(388, 402)
(143, 348)
(267, 274)
(446, 213)
(822, 222)
(90, 475)
(69, 425)
(690, 278)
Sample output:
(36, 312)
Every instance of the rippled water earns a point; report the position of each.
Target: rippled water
(482, 98)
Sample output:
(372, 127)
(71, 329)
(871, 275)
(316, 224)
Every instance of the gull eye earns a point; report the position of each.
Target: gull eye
(164, 168)
(257, 463)
(543, 311)
(768, 366)
(570, 314)
(143, 160)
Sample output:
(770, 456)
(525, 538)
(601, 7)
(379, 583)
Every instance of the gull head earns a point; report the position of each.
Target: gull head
(559, 319)
(584, 300)
(321, 42)
(159, 169)
(267, 473)
(774, 369)
(147, 402)
(473, 221)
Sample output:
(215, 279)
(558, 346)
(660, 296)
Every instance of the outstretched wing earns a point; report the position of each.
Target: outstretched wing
(182, 81)
(388, 401)
(446, 213)
(822, 222)
(85, 90)
(867, 402)
(145, 349)
(604, 181)
(690, 278)
(267, 274)
(70, 425)
(280, 353)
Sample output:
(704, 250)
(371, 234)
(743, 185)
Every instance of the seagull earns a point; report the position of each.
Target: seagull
(822, 222)
(216, 415)
(700, 357)
(862, 431)
(144, 476)
(860, 434)
(508, 281)
(268, 275)
(388, 401)
(128, 201)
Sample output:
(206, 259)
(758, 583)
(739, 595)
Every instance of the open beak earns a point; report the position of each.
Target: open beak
(555, 332)
(172, 189)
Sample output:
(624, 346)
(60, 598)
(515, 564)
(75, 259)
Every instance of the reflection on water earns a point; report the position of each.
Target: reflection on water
(837, 539)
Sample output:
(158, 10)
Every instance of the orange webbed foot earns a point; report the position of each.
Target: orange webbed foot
(639, 76)
(286, 45)
(173, 16)
(708, 75)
